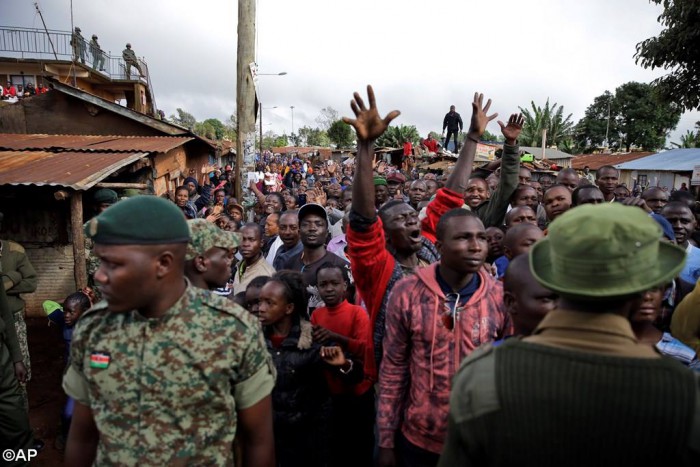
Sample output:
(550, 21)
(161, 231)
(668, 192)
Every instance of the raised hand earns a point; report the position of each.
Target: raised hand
(513, 129)
(479, 118)
(367, 123)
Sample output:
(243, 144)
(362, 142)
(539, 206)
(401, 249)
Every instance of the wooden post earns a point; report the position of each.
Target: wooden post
(76, 228)
(544, 142)
(245, 93)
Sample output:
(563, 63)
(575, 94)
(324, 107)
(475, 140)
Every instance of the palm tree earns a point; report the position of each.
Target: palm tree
(395, 136)
(688, 140)
(550, 118)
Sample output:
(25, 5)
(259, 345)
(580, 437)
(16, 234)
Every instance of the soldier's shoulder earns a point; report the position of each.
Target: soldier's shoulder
(218, 305)
(14, 246)
(474, 388)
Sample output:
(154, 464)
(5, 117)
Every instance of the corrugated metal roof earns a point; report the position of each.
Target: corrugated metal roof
(86, 143)
(79, 170)
(549, 153)
(675, 160)
(596, 161)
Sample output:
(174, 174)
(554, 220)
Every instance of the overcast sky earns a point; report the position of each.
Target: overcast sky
(421, 57)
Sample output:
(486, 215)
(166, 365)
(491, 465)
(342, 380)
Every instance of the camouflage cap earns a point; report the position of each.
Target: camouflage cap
(205, 235)
(141, 220)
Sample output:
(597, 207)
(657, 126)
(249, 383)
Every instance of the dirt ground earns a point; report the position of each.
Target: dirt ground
(46, 398)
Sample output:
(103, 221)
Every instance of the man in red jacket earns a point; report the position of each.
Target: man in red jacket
(386, 247)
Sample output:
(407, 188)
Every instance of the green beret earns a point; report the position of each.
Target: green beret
(105, 196)
(141, 220)
(206, 235)
(379, 181)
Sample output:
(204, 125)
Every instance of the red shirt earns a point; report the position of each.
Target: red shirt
(350, 321)
(407, 148)
(431, 144)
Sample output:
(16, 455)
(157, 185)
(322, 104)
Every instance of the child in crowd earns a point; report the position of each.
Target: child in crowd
(517, 241)
(643, 319)
(252, 294)
(300, 400)
(346, 325)
(65, 316)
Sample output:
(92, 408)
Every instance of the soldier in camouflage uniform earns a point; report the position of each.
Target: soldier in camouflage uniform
(163, 373)
(14, 422)
(210, 254)
(102, 199)
(18, 277)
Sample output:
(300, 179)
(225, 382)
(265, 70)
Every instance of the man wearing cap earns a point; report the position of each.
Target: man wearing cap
(381, 191)
(210, 255)
(582, 390)
(313, 231)
(394, 182)
(163, 372)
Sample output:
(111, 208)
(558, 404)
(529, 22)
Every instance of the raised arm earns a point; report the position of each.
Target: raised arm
(368, 126)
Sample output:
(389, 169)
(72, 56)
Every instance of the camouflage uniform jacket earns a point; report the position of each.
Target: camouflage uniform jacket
(18, 274)
(166, 390)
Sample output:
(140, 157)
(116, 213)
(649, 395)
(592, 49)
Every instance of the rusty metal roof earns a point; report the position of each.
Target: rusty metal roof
(79, 170)
(596, 161)
(91, 143)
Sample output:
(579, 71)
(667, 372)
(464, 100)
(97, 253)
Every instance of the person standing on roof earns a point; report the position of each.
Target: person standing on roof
(98, 56)
(78, 42)
(453, 123)
(130, 60)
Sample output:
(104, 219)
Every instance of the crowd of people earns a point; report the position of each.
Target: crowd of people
(356, 313)
(12, 93)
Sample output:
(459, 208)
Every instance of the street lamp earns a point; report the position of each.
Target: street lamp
(281, 73)
(292, 107)
(261, 125)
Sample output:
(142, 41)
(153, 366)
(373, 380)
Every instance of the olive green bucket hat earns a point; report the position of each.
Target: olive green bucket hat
(601, 251)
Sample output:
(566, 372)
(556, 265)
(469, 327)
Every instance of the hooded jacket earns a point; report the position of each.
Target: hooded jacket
(375, 269)
(421, 356)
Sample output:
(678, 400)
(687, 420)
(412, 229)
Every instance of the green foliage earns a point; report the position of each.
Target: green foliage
(548, 117)
(307, 136)
(676, 49)
(184, 119)
(590, 131)
(231, 128)
(641, 118)
(273, 140)
(637, 118)
(688, 140)
(488, 136)
(395, 136)
(341, 134)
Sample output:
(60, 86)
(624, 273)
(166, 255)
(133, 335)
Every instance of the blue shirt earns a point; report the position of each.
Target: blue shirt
(501, 264)
(669, 345)
(691, 271)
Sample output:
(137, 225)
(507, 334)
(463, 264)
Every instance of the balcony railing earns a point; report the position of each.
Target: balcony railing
(56, 45)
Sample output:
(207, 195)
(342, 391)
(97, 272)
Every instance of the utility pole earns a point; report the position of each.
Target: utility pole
(245, 94)
(607, 126)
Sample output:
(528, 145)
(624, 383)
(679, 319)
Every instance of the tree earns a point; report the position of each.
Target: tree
(637, 118)
(217, 126)
(327, 117)
(642, 119)
(395, 136)
(231, 128)
(676, 49)
(488, 136)
(591, 130)
(184, 119)
(307, 136)
(273, 140)
(688, 140)
(548, 117)
(341, 134)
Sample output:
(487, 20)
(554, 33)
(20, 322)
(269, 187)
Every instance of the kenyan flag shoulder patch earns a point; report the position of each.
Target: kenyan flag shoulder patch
(99, 360)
